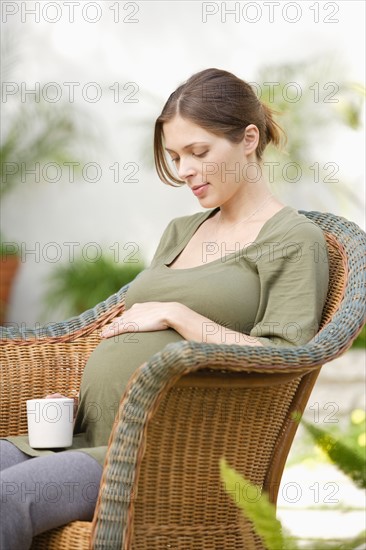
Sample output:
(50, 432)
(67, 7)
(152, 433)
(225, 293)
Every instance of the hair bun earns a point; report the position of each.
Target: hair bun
(273, 130)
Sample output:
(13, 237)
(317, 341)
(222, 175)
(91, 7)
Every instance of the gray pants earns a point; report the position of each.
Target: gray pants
(40, 493)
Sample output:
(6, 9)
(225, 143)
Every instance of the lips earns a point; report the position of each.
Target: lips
(199, 189)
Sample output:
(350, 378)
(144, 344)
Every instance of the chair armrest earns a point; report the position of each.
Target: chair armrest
(69, 330)
(35, 362)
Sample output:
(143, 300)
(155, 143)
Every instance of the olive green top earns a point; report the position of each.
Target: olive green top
(273, 289)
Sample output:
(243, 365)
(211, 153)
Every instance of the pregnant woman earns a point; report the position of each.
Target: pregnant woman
(242, 271)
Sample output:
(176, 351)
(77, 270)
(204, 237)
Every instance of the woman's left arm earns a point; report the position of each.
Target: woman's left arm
(151, 316)
(193, 326)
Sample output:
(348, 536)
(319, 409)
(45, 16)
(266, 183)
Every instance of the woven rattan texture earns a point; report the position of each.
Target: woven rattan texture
(119, 512)
(192, 429)
(74, 536)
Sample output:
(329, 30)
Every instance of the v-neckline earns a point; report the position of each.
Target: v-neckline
(190, 234)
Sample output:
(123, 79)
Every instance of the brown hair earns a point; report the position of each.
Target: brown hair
(222, 104)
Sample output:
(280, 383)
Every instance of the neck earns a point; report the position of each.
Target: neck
(253, 197)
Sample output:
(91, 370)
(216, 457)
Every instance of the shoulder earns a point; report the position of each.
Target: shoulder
(288, 224)
(290, 237)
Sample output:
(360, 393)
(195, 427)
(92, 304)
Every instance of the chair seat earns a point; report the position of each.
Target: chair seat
(74, 536)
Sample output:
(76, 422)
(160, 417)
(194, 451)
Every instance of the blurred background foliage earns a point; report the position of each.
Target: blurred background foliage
(78, 286)
(344, 447)
(35, 130)
(350, 430)
(360, 341)
(312, 104)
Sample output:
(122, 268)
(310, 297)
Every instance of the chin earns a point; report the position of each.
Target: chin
(205, 202)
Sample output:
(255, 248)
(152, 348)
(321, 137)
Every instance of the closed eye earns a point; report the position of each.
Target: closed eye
(193, 155)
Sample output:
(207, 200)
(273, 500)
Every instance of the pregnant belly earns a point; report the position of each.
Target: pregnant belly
(105, 377)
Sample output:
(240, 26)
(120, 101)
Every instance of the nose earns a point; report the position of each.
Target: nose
(185, 169)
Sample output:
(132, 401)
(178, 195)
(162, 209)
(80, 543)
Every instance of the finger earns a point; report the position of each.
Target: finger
(113, 328)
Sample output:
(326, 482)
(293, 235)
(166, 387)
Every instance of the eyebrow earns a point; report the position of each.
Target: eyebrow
(189, 145)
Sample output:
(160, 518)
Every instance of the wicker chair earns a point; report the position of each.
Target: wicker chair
(186, 407)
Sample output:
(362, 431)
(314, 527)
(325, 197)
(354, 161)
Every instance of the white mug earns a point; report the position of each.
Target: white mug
(50, 422)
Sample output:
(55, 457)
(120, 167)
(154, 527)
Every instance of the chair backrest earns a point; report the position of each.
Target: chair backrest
(178, 498)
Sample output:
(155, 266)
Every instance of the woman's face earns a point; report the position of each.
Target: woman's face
(214, 168)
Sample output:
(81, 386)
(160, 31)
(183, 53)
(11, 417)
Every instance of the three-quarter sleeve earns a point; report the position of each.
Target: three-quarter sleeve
(294, 275)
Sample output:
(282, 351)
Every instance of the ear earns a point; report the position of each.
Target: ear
(250, 139)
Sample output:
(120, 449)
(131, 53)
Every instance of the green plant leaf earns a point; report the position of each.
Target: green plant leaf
(360, 341)
(350, 461)
(260, 511)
